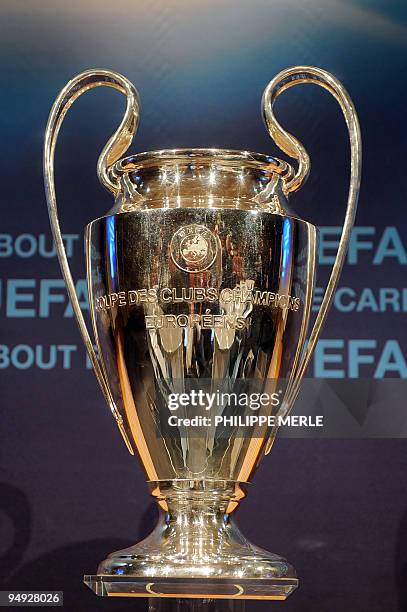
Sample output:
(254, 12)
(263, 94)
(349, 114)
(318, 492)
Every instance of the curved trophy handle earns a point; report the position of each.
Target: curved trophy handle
(114, 149)
(290, 145)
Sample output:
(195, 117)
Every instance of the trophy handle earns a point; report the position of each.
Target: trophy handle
(292, 147)
(113, 150)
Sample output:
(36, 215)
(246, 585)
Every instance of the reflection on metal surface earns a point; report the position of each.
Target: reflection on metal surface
(200, 272)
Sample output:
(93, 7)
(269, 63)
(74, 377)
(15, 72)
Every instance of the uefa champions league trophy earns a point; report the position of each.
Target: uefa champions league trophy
(200, 280)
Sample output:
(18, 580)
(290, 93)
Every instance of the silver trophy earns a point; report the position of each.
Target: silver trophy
(200, 282)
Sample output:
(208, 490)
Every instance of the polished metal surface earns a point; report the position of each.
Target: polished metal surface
(200, 279)
(116, 146)
(193, 605)
(158, 325)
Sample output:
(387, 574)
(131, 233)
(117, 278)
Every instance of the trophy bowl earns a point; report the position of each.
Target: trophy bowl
(200, 282)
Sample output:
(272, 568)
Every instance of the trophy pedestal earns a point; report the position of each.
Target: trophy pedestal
(195, 551)
(191, 588)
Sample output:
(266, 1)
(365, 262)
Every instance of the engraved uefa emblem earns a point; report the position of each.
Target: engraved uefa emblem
(193, 248)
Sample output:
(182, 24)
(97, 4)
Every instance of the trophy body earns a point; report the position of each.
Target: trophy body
(162, 329)
(200, 281)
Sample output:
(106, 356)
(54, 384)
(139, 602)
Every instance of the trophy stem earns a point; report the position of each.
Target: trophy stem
(195, 551)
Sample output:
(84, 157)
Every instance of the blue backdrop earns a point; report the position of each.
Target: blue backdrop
(69, 492)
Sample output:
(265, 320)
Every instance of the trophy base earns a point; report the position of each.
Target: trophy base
(191, 588)
(195, 551)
